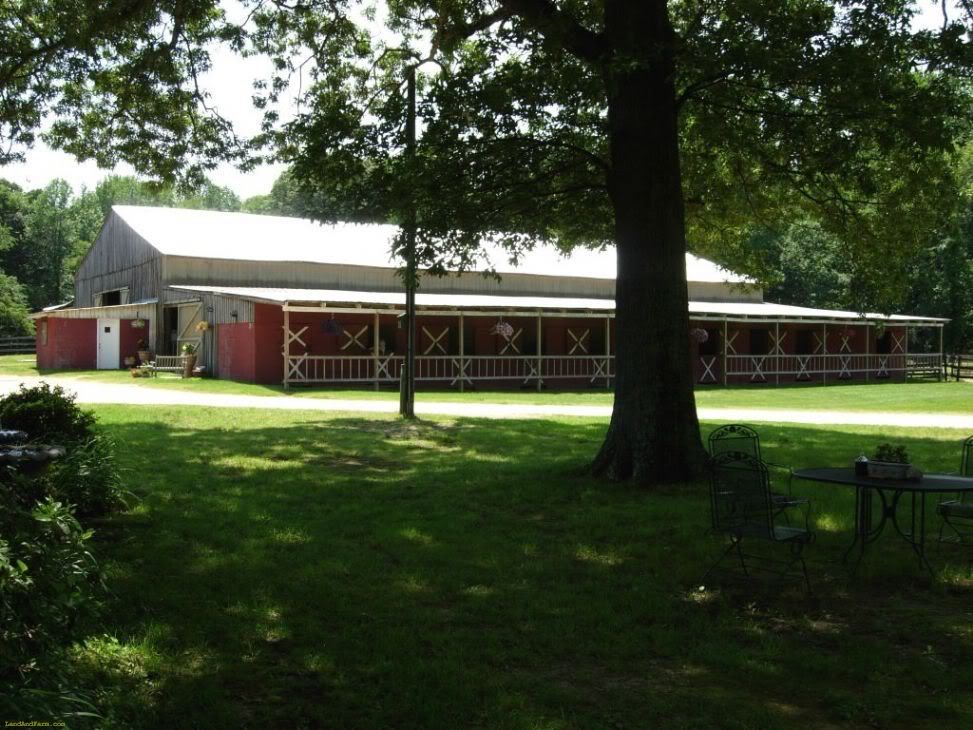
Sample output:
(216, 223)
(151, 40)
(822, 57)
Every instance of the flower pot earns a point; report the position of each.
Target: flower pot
(188, 365)
(145, 356)
(888, 470)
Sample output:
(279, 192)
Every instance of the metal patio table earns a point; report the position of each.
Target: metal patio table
(890, 493)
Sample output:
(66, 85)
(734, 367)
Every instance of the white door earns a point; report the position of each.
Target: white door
(108, 350)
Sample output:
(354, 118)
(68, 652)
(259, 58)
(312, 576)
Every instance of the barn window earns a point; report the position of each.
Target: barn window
(883, 344)
(112, 297)
(42, 331)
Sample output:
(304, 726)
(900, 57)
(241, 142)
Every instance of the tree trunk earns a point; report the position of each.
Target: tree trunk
(654, 433)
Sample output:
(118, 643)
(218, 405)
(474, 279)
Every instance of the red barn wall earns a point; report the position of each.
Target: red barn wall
(268, 343)
(71, 343)
(236, 353)
(128, 340)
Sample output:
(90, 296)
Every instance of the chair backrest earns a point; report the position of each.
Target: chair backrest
(740, 499)
(966, 466)
(734, 438)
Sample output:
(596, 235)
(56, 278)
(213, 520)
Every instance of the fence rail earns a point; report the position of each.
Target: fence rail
(599, 369)
(958, 366)
(17, 345)
(759, 368)
(451, 369)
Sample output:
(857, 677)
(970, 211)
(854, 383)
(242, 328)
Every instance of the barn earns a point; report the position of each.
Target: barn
(285, 300)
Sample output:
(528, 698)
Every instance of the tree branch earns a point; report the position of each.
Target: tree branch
(558, 27)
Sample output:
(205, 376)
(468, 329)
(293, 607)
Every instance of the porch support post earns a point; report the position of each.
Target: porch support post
(726, 334)
(905, 353)
(942, 355)
(824, 352)
(868, 349)
(608, 352)
(777, 352)
(375, 349)
(540, 361)
(287, 349)
(462, 354)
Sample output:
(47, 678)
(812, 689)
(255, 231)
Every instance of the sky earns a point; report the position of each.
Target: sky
(230, 85)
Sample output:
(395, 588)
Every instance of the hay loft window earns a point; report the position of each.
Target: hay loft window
(112, 297)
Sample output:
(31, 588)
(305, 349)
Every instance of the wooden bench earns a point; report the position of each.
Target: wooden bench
(166, 364)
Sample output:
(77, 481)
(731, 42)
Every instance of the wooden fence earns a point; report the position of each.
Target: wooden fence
(959, 366)
(17, 345)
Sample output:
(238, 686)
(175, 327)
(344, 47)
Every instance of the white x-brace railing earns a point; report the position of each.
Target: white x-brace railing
(450, 369)
(842, 365)
(468, 369)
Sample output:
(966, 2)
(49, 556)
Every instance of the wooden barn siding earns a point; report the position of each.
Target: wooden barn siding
(220, 272)
(119, 257)
(217, 310)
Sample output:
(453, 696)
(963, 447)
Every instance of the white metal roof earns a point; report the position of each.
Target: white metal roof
(720, 310)
(248, 237)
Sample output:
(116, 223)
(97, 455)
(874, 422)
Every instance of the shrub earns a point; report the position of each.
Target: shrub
(47, 415)
(87, 477)
(47, 579)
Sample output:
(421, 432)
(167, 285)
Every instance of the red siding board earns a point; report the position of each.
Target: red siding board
(71, 343)
(129, 338)
(236, 351)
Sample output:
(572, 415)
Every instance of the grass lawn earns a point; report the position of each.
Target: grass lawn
(916, 397)
(301, 570)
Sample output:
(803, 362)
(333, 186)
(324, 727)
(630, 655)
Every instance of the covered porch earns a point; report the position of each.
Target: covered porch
(303, 337)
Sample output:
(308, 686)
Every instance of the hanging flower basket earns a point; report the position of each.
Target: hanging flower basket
(699, 335)
(202, 326)
(504, 329)
(138, 324)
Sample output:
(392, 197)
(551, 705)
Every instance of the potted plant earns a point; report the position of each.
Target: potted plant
(188, 359)
(892, 462)
(145, 355)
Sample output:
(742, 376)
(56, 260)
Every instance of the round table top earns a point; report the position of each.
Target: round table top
(846, 475)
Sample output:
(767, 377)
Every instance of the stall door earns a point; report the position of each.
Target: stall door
(108, 339)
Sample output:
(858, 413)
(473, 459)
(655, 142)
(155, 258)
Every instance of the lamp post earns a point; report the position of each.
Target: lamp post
(407, 383)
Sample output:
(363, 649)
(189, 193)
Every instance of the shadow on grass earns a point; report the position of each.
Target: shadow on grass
(359, 572)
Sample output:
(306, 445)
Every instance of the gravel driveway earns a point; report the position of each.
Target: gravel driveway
(95, 392)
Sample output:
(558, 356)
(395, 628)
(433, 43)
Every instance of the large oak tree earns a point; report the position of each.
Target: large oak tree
(624, 122)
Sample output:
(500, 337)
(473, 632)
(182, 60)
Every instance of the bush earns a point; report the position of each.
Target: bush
(47, 414)
(47, 580)
(87, 477)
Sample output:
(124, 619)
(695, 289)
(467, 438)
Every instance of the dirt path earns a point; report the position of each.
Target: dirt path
(95, 392)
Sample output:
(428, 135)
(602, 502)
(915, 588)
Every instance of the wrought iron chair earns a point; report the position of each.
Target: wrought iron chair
(742, 509)
(957, 514)
(743, 439)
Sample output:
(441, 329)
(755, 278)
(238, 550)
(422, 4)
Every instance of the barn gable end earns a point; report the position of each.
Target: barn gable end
(118, 258)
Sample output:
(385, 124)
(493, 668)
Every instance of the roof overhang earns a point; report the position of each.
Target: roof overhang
(113, 311)
(335, 300)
